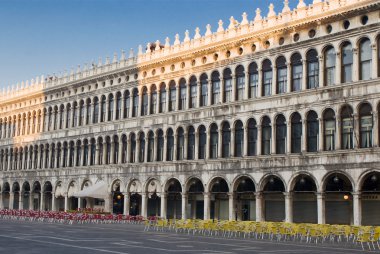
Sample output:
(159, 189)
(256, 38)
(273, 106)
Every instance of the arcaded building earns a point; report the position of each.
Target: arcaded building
(269, 118)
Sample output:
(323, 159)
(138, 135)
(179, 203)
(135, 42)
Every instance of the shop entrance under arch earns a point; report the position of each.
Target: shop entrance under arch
(195, 200)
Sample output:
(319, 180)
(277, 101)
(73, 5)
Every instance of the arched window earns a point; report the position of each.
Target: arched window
(312, 69)
(281, 75)
(193, 92)
(365, 59)
(329, 129)
(115, 154)
(266, 135)
(280, 135)
(329, 72)
(127, 104)
(347, 61)
(180, 144)
(93, 152)
(103, 109)
(182, 94)
(240, 82)
(347, 125)
(81, 113)
(85, 152)
(135, 106)
(296, 132)
(296, 62)
(170, 145)
(153, 100)
(172, 96)
(202, 142)
(89, 113)
(226, 140)
(191, 143)
(124, 148)
(142, 146)
(144, 109)
(253, 80)
(204, 90)
(150, 146)
(267, 77)
(75, 116)
(162, 98)
(213, 141)
(312, 131)
(252, 137)
(239, 139)
(95, 118)
(215, 80)
(133, 148)
(160, 145)
(366, 125)
(118, 105)
(68, 115)
(227, 78)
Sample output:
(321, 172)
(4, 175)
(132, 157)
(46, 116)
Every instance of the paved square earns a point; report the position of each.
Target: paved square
(20, 237)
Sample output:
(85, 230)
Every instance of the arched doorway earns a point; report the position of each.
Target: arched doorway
(36, 196)
(244, 194)
(219, 199)
(304, 200)
(16, 196)
(117, 198)
(195, 201)
(25, 192)
(48, 188)
(174, 198)
(5, 193)
(338, 199)
(135, 198)
(370, 199)
(274, 200)
(153, 190)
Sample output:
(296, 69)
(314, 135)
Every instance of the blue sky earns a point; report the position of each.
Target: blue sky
(40, 37)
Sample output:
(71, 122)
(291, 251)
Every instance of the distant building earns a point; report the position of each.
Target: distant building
(272, 119)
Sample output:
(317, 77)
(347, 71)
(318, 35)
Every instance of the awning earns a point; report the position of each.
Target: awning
(98, 190)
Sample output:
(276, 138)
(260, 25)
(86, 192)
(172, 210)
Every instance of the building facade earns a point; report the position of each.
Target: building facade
(273, 119)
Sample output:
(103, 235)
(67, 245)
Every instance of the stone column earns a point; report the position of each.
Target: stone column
(137, 154)
(320, 135)
(357, 207)
(185, 144)
(289, 137)
(321, 71)
(127, 203)
(221, 97)
(115, 108)
(144, 205)
(130, 104)
(246, 85)
(196, 145)
(21, 201)
(260, 82)
(220, 143)
(356, 131)
(338, 68)
(375, 129)
(75, 154)
(11, 199)
(245, 141)
(338, 132)
(107, 109)
(140, 108)
(164, 155)
(375, 61)
(1, 201)
(112, 152)
(104, 152)
(42, 201)
(274, 80)
(184, 206)
(154, 155)
(199, 94)
(206, 203)
(208, 140)
(163, 205)
(158, 101)
(31, 201)
(288, 77)
(120, 155)
(177, 96)
(209, 98)
(259, 206)
(232, 143)
(96, 153)
(273, 138)
(304, 74)
(53, 208)
(259, 138)
(304, 136)
(175, 146)
(86, 113)
(167, 97)
(355, 65)
(288, 207)
(231, 206)
(129, 150)
(149, 103)
(79, 203)
(234, 87)
(321, 208)
(71, 124)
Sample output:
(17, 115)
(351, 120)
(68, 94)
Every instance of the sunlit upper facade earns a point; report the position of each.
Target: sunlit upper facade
(274, 118)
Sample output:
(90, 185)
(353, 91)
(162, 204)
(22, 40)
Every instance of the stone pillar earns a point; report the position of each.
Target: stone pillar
(164, 155)
(338, 132)
(86, 113)
(1, 201)
(232, 143)
(185, 145)
(115, 108)
(234, 87)
(375, 61)
(107, 109)
(120, 155)
(21, 201)
(246, 85)
(129, 150)
(199, 95)
(338, 68)
(184, 206)
(273, 138)
(79, 203)
(221, 97)
(66, 202)
(260, 82)
(304, 136)
(208, 140)
(53, 208)
(177, 96)
(158, 101)
(289, 137)
(375, 129)
(155, 143)
(112, 152)
(304, 74)
(288, 77)
(209, 98)
(259, 206)
(96, 152)
(137, 154)
(288, 207)
(11, 199)
(42, 201)
(127, 203)
(140, 108)
(163, 205)
(259, 138)
(245, 141)
(356, 130)
(31, 201)
(321, 71)
(130, 104)
(355, 64)
(149, 103)
(274, 80)
(167, 98)
(321, 208)
(175, 146)
(357, 207)
(320, 135)
(144, 205)
(231, 206)
(206, 203)
(220, 143)
(75, 154)
(196, 145)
